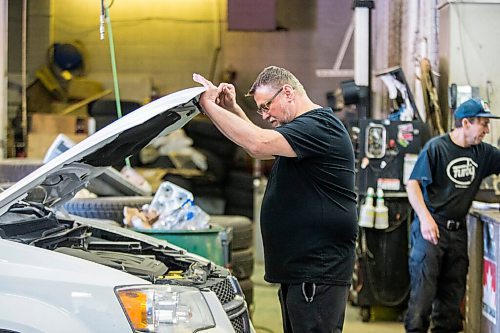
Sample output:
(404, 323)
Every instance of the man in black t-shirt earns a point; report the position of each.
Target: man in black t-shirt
(308, 216)
(444, 181)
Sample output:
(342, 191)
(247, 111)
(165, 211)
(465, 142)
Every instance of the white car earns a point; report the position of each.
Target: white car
(62, 273)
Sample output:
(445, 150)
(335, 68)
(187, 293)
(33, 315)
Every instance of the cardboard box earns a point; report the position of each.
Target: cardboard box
(39, 143)
(55, 124)
(38, 98)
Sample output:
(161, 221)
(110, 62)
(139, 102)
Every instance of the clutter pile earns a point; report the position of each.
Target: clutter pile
(172, 208)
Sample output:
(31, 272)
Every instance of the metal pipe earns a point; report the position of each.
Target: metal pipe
(4, 23)
(362, 55)
(24, 104)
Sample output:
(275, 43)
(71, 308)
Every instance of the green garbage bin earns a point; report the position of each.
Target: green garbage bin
(212, 243)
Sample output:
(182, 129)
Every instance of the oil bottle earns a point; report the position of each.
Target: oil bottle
(381, 211)
(367, 211)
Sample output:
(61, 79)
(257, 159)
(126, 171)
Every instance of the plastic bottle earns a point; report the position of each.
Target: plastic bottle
(381, 212)
(367, 211)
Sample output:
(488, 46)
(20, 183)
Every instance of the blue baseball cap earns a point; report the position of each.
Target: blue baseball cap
(474, 107)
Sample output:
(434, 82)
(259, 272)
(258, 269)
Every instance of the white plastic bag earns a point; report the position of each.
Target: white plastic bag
(176, 209)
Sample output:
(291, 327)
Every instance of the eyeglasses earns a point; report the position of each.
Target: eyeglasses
(264, 107)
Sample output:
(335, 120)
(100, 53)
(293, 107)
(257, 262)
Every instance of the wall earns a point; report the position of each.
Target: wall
(309, 39)
(166, 41)
(155, 41)
(469, 54)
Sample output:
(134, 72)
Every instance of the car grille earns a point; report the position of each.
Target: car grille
(241, 324)
(225, 293)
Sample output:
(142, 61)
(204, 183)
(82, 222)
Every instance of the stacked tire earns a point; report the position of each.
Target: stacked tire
(108, 208)
(233, 183)
(241, 261)
(13, 170)
(238, 193)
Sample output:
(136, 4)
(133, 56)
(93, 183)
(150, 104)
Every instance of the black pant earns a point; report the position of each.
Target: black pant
(438, 277)
(310, 307)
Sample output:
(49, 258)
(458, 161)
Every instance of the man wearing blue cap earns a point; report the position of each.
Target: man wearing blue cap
(444, 181)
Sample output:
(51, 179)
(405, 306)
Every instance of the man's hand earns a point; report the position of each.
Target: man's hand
(224, 95)
(227, 96)
(429, 230)
(212, 93)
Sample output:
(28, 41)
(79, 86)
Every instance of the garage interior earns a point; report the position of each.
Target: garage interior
(73, 67)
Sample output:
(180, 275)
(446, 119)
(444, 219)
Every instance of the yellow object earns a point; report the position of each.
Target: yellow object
(50, 82)
(176, 275)
(81, 88)
(66, 75)
(78, 105)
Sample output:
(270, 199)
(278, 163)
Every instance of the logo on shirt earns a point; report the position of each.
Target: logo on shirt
(462, 171)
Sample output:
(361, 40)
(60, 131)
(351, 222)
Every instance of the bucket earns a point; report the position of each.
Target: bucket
(209, 243)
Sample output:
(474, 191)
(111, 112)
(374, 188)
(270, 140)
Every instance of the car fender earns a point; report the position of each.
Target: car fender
(46, 291)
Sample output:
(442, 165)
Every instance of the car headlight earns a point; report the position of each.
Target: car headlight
(165, 308)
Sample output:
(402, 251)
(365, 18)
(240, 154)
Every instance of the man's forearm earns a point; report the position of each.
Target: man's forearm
(237, 110)
(416, 199)
(257, 142)
(236, 127)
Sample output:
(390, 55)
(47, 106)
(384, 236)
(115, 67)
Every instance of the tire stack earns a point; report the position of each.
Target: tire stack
(238, 193)
(233, 181)
(13, 170)
(219, 152)
(108, 208)
(241, 260)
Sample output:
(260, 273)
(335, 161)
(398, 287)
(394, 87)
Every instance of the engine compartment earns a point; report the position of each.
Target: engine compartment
(33, 224)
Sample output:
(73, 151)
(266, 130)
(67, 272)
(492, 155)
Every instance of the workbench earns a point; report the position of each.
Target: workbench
(482, 301)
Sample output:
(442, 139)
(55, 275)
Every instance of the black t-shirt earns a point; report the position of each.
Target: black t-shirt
(308, 216)
(451, 175)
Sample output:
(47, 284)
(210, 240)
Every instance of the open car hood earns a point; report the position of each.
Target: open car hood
(67, 173)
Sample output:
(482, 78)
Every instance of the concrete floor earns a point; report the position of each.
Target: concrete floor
(266, 314)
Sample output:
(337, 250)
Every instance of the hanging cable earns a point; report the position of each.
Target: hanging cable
(102, 20)
(113, 64)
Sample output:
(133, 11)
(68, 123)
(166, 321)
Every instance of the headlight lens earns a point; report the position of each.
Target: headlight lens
(165, 308)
